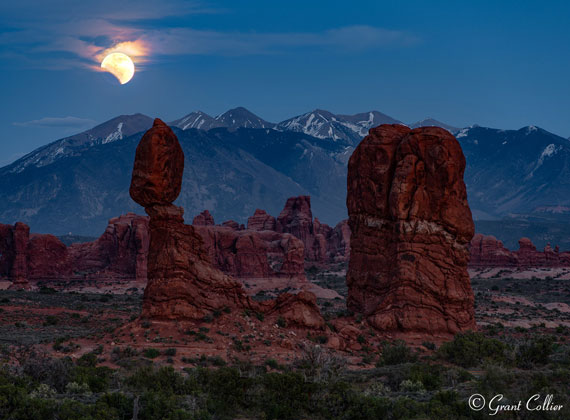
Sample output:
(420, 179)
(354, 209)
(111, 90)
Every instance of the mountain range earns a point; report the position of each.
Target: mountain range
(237, 162)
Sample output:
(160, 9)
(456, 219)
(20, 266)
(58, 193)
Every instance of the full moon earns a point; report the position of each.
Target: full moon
(119, 65)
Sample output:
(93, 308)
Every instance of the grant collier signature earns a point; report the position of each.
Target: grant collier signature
(495, 404)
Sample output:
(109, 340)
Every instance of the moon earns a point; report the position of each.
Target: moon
(119, 65)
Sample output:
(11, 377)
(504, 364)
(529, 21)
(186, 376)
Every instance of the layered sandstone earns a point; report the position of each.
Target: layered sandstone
(410, 225)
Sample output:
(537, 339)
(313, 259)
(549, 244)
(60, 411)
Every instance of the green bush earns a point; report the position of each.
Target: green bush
(151, 353)
(396, 353)
(471, 349)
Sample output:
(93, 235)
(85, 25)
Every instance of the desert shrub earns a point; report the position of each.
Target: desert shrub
(50, 320)
(170, 352)
(97, 378)
(164, 379)
(319, 364)
(409, 385)
(471, 349)
(87, 360)
(284, 395)
(120, 353)
(51, 371)
(534, 352)
(430, 376)
(396, 353)
(151, 353)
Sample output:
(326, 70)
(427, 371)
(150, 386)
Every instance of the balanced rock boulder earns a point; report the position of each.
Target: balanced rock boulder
(182, 282)
(410, 227)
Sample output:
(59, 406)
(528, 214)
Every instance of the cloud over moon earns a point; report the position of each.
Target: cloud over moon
(134, 28)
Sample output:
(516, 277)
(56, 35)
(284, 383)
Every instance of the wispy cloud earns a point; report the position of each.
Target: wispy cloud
(133, 27)
(66, 122)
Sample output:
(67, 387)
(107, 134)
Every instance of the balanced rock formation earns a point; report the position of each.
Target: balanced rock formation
(488, 251)
(411, 225)
(182, 282)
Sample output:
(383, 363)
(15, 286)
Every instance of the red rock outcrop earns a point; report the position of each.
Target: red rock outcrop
(322, 243)
(204, 219)
(182, 282)
(296, 218)
(121, 252)
(261, 221)
(48, 258)
(14, 254)
(488, 251)
(410, 225)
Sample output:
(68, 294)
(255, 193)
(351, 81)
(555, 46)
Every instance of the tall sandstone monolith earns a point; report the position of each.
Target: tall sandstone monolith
(411, 226)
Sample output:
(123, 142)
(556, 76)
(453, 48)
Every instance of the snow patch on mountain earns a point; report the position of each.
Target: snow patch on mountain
(548, 152)
(115, 135)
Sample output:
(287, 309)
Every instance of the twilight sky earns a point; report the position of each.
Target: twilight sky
(495, 63)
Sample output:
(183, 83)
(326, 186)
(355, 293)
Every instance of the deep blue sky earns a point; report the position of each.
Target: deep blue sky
(495, 63)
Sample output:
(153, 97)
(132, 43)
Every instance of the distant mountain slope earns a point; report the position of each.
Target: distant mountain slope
(79, 192)
(241, 118)
(110, 131)
(198, 119)
(429, 122)
(515, 171)
(344, 129)
(77, 183)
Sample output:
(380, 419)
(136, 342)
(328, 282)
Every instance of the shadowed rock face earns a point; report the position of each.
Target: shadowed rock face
(410, 225)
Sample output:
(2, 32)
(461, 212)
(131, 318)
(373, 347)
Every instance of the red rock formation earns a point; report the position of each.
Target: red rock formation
(121, 252)
(48, 258)
(182, 282)
(254, 254)
(487, 251)
(14, 254)
(204, 219)
(232, 224)
(297, 310)
(261, 221)
(410, 225)
(296, 218)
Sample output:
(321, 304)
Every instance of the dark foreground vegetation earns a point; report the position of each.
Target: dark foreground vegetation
(404, 384)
